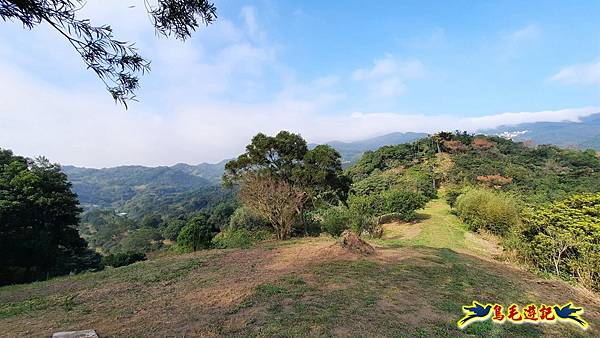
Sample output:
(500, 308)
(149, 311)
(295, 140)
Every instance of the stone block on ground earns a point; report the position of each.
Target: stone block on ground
(76, 334)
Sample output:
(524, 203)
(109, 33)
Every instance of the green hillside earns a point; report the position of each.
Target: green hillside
(452, 218)
(537, 174)
(414, 286)
(114, 187)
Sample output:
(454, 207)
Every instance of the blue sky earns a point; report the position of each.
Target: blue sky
(328, 70)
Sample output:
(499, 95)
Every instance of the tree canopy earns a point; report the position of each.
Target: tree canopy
(286, 157)
(196, 234)
(117, 63)
(38, 218)
(564, 238)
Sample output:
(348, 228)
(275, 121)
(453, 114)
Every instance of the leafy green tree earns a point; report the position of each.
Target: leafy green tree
(286, 157)
(115, 62)
(141, 240)
(196, 235)
(220, 214)
(281, 179)
(154, 221)
(38, 218)
(321, 174)
(277, 156)
(174, 226)
(564, 238)
(247, 218)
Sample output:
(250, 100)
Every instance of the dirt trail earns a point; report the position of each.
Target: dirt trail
(414, 285)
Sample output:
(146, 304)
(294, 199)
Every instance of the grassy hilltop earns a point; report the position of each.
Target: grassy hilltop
(414, 286)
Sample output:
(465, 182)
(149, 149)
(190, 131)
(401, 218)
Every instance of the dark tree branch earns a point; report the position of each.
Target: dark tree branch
(115, 62)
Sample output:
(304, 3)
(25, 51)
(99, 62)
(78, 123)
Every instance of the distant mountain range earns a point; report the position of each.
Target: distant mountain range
(582, 135)
(119, 187)
(114, 187)
(352, 151)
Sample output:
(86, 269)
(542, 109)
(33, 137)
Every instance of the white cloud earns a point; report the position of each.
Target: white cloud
(586, 74)
(390, 67)
(511, 118)
(386, 77)
(429, 41)
(359, 125)
(248, 13)
(525, 34)
(190, 112)
(517, 42)
(86, 129)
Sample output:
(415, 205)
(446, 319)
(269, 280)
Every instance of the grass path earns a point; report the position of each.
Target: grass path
(436, 227)
(414, 286)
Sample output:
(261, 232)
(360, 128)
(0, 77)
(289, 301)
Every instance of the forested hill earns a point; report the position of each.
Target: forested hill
(583, 135)
(114, 187)
(120, 187)
(126, 187)
(538, 174)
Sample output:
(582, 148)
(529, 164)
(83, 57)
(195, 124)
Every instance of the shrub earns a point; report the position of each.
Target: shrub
(368, 226)
(564, 238)
(197, 234)
(247, 218)
(367, 205)
(452, 195)
(401, 202)
(171, 231)
(122, 258)
(308, 223)
(239, 238)
(414, 179)
(141, 240)
(490, 210)
(336, 220)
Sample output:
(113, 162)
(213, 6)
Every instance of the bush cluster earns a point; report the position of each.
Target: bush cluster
(239, 238)
(563, 238)
(122, 259)
(247, 218)
(494, 211)
(401, 202)
(196, 235)
(364, 212)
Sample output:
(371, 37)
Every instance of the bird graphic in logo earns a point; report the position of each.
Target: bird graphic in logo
(474, 312)
(566, 312)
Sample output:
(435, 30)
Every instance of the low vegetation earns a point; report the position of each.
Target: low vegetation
(540, 203)
(484, 209)
(122, 259)
(563, 238)
(300, 287)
